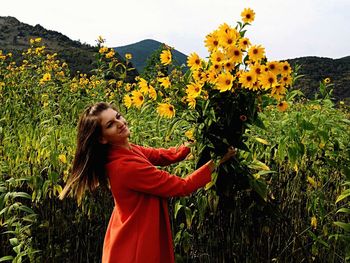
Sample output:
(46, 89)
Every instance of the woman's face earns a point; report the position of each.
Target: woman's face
(115, 129)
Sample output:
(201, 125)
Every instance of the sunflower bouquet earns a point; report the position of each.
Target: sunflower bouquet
(222, 93)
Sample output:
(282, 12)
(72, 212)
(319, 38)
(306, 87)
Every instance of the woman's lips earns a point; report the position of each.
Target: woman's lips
(122, 129)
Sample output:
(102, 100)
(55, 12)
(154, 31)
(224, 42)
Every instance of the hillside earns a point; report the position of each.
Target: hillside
(15, 36)
(315, 69)
(142, 50)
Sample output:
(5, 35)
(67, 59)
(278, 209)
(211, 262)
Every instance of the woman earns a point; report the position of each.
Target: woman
(139, 227)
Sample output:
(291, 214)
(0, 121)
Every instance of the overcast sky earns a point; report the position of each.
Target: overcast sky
(286, 28)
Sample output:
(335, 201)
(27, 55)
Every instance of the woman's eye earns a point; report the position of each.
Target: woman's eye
(118, 116)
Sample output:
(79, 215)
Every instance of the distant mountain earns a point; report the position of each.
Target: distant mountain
(142, 50)
(15, 36)
(316, 69)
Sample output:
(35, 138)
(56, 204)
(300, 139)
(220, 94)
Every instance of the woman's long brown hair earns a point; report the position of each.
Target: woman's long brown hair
(88, 170)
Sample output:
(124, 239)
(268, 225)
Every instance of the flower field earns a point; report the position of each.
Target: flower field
(283, 198)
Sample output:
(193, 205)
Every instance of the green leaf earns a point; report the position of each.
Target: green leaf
(306, 125)
(260, 187)
(17, 249)
(13, 241)
(177, 208)
(6, 258)
(189, 217)
(22, 194)
(346, 121)
(257, 165)
(343, 195)
(344, 210)
(346, 172)
(345, 226)
(26, 209)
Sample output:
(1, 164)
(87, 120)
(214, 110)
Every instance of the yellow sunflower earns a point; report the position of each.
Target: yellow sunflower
(194, 61)
(143, 85)
(228, 38)
(191, 102)
(217, 57)
(285, 68)
(244, 43)
(327, 80)
(199, 76)
(268, 80)
(212, 41)
(165, 57)
(224, 81)
(127, 101)
(257, 69)
(189, 134)
(137, 98)
(256, 53)
(282, 106)
(166, 110)
(194, 89)
(212, 75)
(46, 77)
(278, 92)
(274, 67)
(103, 50)
(235, 54)
(128, 56)
(223, 28)
(216, 67)
(152, 93)
(247, 79)
(165, 82)
(62, 158)
(313, 222)
(286, 80)
(229, 65)
(248, 15)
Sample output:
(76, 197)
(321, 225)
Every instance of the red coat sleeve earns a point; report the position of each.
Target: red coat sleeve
(163, 157)
(140, 175)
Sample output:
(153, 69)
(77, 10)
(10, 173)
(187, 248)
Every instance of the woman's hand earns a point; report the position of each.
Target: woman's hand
(189, 143)
(231, 152)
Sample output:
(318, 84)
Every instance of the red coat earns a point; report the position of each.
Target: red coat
(139, 228)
